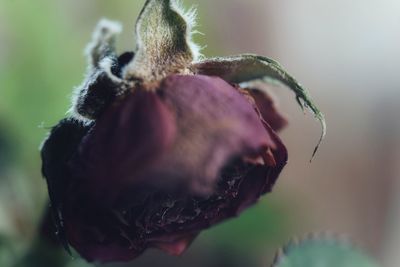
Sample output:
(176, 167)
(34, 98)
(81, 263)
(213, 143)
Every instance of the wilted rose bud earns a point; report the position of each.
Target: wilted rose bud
(162, 144)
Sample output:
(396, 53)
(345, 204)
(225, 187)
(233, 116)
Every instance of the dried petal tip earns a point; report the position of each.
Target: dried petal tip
(249, 67)
(164, 45)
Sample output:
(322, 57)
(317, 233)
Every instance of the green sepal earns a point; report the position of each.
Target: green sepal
(248, 67)
(103, 42)
(164, 45)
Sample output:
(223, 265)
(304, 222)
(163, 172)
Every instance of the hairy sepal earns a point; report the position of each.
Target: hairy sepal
(164, 45)
(100, 86)
(103, 42)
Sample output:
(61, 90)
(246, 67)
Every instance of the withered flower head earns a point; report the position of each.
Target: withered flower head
(162, 143)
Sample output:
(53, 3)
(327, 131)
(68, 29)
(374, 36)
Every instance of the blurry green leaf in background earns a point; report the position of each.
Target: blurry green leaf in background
(324, 252)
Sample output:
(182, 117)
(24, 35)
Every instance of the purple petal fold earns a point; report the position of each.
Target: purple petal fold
(266, 104)
(158, 167)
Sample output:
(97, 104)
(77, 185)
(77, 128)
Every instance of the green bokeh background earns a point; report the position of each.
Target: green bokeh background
(346, 52)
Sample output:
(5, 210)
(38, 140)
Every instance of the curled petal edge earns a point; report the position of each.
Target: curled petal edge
(249, 67)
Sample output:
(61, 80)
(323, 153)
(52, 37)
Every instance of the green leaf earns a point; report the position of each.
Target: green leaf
(164, 46)
(322, 252)
(248, 67)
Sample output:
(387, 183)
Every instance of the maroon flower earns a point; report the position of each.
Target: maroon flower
(162, 145)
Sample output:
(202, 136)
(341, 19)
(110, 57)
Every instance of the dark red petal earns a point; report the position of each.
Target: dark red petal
(174, 245)
(266, 104)
(215, 124)
(128, 138)
(197, 130)
(57, 150)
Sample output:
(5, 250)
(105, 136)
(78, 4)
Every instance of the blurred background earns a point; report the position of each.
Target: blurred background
(346, 52)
